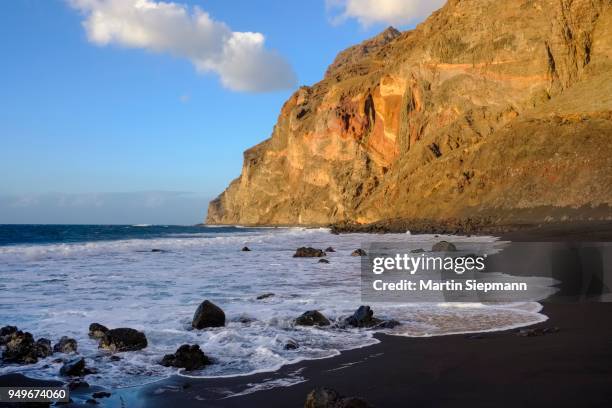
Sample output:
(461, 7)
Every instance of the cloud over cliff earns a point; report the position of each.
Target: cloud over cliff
(393, 12)
(239, 58)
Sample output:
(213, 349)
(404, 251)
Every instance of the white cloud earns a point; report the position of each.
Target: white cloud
(393, 12)
(239, 58)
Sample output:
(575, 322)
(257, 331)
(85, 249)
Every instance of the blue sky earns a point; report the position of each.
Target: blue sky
(99, 97)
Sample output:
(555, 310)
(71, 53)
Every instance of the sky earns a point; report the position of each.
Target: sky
(138, 111)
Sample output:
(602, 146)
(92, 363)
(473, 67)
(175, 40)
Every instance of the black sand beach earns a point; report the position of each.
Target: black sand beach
(569, 368)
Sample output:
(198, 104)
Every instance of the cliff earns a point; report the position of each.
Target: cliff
(487, 109)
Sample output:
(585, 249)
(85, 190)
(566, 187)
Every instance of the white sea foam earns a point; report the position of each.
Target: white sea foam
(59, 289)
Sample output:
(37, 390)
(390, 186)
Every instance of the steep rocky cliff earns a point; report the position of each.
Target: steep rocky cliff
(487, 108)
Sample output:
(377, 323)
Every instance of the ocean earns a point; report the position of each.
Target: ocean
(57, 279)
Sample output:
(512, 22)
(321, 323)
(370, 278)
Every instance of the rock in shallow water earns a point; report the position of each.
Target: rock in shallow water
(123, 339)
(323, 260)
(312, 318)
(246, 249)
(208, 315)
(364, 317)
(359, 252)
(65, 345)
(74, 367)
(43, 347)
(97, 331)
(20, 348)
(330, 249)
(189, 357)
(5, 334)
(308, 252)
(265, 296)
(443, 246)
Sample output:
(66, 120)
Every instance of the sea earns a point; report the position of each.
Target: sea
(55, 280)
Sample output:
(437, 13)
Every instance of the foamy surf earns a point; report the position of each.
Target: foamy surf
(54, 290)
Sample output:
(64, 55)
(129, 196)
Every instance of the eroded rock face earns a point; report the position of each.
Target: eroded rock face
(443, 122)
(123, 339)
(208, 315)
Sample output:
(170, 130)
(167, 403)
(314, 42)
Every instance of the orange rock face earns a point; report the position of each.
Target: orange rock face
(487, 107)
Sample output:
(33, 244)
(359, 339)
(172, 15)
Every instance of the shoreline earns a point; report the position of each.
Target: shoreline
(431, 371)
(570, 367)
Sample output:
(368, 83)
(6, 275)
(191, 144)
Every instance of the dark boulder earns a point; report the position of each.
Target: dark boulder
(265, 296)
(123, 339)
(208, 315)
(65, 345)
(5, 334)
(246, 249)
(74, 367)
(187, 357)
(291, 344)
(308, 252)
(101, 394)
(312, 318)
(97, 331)
(77, 383)
(364, 317)
(20, 348)
(443, 246)
(322, 398)
(329, 398)
(330, 249)
(323, 260)
(359, 252)
(43, 347)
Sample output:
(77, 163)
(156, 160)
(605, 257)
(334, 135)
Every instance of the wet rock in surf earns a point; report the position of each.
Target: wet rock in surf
(443, 246)
(308, 252)
(74, 367)
(5, 334)
(291, 345)
(329, 398)
(189, 357)
(101, 394)
(97, 331)
(246, 249)
(364, 317)
(208, 315)
(330, 249)
(20, 348)
(43, 347)
(265, 296)
(65, 345)
(312, 318)
(359, 252)
(323, 260)
(123, 339)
